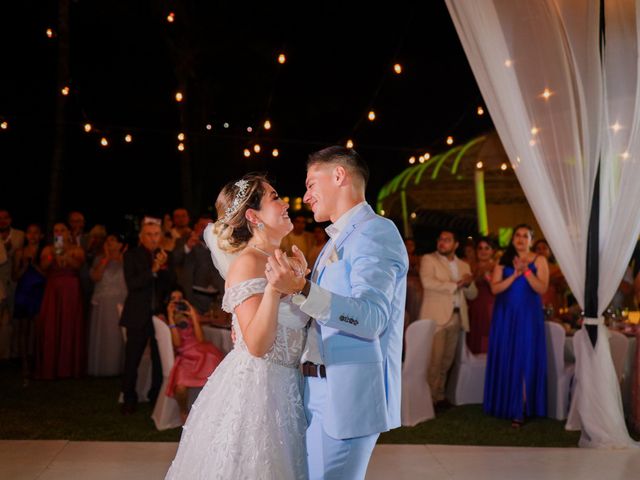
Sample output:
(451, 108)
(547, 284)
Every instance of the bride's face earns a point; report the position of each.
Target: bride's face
(274, 213)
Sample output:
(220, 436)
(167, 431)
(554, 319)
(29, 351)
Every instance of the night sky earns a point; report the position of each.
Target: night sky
(127, 62)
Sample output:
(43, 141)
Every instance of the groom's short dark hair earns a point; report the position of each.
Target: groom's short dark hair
(347, 157)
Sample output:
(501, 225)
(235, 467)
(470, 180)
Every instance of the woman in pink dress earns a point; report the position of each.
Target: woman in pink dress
(60, 331)
(196, 359)
(481, 308)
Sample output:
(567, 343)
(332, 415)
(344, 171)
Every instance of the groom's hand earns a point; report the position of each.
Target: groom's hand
(281, 275)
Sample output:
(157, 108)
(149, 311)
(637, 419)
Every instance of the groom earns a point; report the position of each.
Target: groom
(356, 299)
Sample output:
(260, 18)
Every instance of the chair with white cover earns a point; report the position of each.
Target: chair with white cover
(219, 337)
(466, 378)
(166, 413)
(417, 405)
(619, 344)
(559, 374)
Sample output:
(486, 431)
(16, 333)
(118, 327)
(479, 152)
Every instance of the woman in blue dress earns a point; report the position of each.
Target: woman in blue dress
(516, 377)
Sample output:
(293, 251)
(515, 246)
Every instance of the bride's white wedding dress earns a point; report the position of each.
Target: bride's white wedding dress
(248, 422)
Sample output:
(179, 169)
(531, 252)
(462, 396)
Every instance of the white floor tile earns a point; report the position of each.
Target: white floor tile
(27, 459)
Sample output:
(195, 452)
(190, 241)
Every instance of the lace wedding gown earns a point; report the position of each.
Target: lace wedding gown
(248, 422)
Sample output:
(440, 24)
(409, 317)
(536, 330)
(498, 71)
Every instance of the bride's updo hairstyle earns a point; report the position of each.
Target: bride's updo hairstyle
(232, 227)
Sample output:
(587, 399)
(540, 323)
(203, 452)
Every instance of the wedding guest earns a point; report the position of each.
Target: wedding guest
(447, 285)
(11, 240)
(30, 283)
(298, 237)
(77, 224)
(554, 297)
(148, 281)
(181, 221)
(469, 253)
(320, 238)
(481, 307)
(95, 242)
(414, 285)
(167, 242)
(195, 358)
(106, 346)
(60, 334)
(196, 275)
(516, 373)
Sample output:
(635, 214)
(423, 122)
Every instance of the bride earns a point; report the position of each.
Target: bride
(248, 422)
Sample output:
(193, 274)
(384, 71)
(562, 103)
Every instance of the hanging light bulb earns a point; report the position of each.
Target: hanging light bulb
(267, 125)
(479, 165)
(128, 138)
(247, 152)
(181, 147)
(65, 90)
(480, 111)
(181, 137)
(256, 148)
(421, 158)
(503, 167)
(427, 156)
(208, 126)
(412, 160)
(225, 125)
(4, 125)
(397, 68)
(104, 142)
(282, 58)
(372, 116)
(179, 97)
(49, 33)
(449, 140)
(382, 212)
(275, 152)
(87, 127)
(249, 129)
(413, 215)
(349, 143)
(171, 17)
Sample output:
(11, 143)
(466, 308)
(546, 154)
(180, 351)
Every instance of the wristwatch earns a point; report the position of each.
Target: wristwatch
(298, 298)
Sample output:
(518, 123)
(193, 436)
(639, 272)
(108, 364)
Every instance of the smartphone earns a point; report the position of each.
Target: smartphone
(58, 244)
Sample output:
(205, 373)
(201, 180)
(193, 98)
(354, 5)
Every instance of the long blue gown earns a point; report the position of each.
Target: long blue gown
(517, 358)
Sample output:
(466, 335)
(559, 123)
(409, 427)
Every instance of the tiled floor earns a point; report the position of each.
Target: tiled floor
(59, 459)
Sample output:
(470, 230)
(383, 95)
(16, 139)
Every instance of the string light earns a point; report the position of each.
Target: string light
(49, 33)
(421, 158)
(225, 125)
(256, 148)
(181, 147)
(179, 97)
(412, 160)
(546, 94)
(247, 152)
(104, 142)
(267, 125)
(208, 126)
(65, 90)
(87, 127)
(249, 129)
(382, 212)
(480, 111)
(479, 165)
(171, 17)
(181, 137)
(503, 167)
(449, 140)
(372, 116)
(349, 143)
(413, 215)
(397, 68)
(427, 156)
(4, 125)
(282, 58)
(275, 152)
(128, 138)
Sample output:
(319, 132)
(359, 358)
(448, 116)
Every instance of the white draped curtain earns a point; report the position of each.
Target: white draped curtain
(565, 106)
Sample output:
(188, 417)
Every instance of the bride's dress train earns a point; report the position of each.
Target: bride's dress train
(248, 422)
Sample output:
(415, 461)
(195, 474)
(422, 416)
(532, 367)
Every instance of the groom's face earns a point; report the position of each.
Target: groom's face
(321, 191)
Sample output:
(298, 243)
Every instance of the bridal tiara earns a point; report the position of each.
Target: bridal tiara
(238, 200)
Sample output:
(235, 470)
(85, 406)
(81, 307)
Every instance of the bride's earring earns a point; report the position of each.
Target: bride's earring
(260, 226)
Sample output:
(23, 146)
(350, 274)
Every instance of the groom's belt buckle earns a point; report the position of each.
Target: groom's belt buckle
(312, 370)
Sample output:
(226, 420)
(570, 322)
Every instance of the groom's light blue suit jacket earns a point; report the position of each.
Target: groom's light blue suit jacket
(362, 336)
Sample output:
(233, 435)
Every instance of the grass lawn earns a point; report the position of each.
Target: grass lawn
(87, 410)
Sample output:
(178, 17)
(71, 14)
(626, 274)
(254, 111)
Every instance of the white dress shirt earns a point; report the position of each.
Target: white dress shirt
(318, 302)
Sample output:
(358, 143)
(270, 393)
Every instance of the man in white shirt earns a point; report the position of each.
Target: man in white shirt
(447, 284)
(356, 298)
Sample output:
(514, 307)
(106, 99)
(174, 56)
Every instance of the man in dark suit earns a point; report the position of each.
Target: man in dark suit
(199, 279)
(149, 282)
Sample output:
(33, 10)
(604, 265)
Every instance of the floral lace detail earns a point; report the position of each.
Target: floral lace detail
(291, 335)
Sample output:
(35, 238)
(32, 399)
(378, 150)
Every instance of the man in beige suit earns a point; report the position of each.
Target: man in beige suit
(447, 284)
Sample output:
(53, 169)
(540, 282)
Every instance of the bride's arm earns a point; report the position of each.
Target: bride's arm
(257, 315)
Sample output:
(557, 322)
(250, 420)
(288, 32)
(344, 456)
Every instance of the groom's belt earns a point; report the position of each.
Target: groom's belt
(312, 370)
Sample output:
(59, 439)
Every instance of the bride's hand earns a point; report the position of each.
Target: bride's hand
(298, 263)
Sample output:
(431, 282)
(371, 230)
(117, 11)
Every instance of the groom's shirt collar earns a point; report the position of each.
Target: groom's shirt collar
(335, 229)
